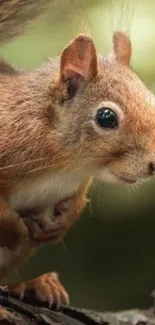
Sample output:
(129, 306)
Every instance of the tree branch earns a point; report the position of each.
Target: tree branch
(15, 312)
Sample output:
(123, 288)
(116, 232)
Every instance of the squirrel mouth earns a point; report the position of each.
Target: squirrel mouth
(124, 179)
(47, 225)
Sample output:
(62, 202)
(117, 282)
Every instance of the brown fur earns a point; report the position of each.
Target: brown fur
(49, 134)
(41, 130)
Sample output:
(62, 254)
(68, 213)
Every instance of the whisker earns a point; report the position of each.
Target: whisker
(97, 191)
(23, 163)
(64, 245)
(69, 165)
(90, 200)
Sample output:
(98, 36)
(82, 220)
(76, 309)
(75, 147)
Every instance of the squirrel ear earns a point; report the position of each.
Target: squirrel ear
(79, 59)
(121, 48)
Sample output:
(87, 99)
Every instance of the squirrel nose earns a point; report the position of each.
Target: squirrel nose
(151, 168)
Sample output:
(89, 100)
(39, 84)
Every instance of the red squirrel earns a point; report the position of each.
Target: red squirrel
(78, 117)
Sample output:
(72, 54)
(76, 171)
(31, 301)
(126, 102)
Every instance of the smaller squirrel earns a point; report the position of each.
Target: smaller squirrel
(78, 117)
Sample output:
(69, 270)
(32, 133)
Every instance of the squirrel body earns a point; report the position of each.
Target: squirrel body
(52, 146)
(78, 117)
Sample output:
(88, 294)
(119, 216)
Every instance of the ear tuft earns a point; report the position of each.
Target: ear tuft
(79, 59)
(121, 48)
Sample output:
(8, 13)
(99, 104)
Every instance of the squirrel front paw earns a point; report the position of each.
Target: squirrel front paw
(45, 289)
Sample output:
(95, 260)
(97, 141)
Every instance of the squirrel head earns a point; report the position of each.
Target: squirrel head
(105, 115)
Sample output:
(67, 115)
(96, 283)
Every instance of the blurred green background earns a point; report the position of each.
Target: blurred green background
(107, 261)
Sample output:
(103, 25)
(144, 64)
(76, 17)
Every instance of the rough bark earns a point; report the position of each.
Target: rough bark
(15, 312)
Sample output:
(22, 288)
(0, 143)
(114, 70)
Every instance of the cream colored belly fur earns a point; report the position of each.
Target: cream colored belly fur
(45, 190)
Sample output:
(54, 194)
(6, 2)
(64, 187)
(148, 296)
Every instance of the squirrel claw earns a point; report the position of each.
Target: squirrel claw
(46, 289)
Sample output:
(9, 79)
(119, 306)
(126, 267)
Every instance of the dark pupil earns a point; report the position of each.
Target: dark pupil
(107, 118)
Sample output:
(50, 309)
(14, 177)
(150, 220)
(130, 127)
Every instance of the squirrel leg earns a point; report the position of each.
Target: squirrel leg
(12, 229)
(44, 289)
(15, 245)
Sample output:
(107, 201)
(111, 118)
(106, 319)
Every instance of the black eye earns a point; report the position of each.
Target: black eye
(106, 118)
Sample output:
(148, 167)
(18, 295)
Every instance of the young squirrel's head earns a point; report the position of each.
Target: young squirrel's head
(105, 116)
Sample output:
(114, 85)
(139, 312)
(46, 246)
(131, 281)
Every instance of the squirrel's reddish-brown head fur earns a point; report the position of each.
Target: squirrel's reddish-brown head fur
(95, 83)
